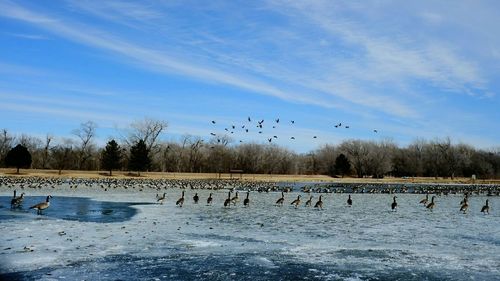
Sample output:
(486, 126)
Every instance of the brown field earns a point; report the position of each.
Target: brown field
(247, 177)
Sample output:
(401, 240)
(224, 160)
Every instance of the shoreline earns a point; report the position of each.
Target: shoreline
(72, 174)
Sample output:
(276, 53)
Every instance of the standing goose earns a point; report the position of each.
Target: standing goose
(394, 204)
(309, 202)
(227, 202)
(280, 201)
(209, 199)
(42, 206)
(485, 209)
(319, 204)
(464, 206)
(235, 199)
(425, 200)
(431, 205)
(180, 202)
(296, 202)
(160, 199)
(196, 198)
(16, 201)
(246, 201)
(349, 201)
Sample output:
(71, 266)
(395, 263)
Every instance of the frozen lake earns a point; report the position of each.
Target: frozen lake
(89, 234)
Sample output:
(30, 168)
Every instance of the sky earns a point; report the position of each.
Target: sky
(407, 69)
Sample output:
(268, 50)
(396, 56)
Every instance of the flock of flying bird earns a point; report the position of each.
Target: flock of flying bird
(464, 204)
(260, 125)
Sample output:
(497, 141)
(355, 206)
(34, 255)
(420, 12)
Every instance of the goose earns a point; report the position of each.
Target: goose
(16, 201)
(246, 201)
(309, 202)
(160, 199)
(196, 198)
(13, 200)
(431, 205)
(227, 202)
(209, 199)
(281, 200)
(296, 202)
(42, 206)
(235, 199)
(319, 204)
(485, 209)
(464, 206)
(349, 201)
(180, 202)
(425, 200)
(394, 204)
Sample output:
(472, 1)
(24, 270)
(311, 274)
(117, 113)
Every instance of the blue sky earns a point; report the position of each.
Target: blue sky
(419, 69)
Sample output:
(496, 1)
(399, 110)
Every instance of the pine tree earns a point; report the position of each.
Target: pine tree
(139, 157)
(111, 157)
(342, 165)
(18, 157)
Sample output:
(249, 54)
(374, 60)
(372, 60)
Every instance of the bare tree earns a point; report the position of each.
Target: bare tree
(46, 150)
(85, 134)
(6, 143)
(147, 130)
(357, 152)
(62, 155)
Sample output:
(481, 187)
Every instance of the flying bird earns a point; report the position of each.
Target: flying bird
(213, 122)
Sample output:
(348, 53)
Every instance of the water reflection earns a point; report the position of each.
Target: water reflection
(72, 208)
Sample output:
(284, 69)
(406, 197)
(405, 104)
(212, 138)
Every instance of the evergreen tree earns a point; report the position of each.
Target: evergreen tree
(139, 157)
(111, 157)
(342, 165)
(18, 157)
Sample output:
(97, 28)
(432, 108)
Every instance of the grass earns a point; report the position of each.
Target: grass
(247, 177)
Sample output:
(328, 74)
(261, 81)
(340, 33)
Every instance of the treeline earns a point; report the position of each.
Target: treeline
(140, 149)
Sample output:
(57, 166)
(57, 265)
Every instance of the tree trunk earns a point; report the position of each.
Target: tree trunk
(110, 172)
(17, 170)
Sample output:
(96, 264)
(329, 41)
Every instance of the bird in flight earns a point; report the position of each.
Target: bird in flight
(213, 122)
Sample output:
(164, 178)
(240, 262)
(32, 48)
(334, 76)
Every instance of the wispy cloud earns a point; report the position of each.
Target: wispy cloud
(28, 36)
(148, 58)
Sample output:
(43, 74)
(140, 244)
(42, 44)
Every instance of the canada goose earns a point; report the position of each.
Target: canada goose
(394, 204)
(425, 200)
(196, 198)
(180, 202)
(209, 199)
(160, 199)
(42, 206)
(309, 201)
(464, 206)
(281, 200)
(319, 204)
(349, 201)
(430, 206)
(296, 202)
(16, 201)
(464, 200)
(227, 202)
(246, 201)
(485, 209)
(235, 199)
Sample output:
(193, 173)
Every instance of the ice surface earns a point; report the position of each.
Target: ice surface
(92, 234)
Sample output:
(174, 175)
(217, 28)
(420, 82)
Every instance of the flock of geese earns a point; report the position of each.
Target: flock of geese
(464, 205)
(260, 125)
(16, 202)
